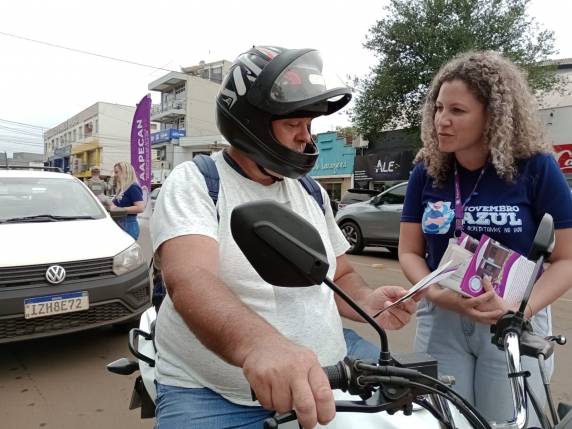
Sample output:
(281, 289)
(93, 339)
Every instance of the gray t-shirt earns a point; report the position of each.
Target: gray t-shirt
(307, 316)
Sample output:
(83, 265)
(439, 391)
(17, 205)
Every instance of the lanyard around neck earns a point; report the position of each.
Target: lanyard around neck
(459, 205)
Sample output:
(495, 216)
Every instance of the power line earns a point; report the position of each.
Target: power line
(81, 51)
(24, 124)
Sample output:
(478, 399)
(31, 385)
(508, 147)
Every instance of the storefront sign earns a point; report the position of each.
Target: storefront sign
(330, 168)
(167, 135)
(62, 152)
(384, 166)
(564, 157)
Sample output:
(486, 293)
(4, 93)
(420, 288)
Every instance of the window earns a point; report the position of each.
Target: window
(79, 132)
(74, 135)
(180, 91)
(216, 74)
(395, 196)
(88, 129)
(334, 190)
(96, 126)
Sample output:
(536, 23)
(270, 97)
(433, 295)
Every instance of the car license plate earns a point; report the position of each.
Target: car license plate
(55, 304)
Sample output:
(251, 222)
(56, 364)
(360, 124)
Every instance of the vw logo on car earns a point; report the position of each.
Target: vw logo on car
(55, 274)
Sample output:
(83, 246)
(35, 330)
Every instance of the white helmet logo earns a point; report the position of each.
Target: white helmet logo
(55, 274)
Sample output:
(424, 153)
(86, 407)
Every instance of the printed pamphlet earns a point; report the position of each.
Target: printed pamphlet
(441, 273)
(509, 271)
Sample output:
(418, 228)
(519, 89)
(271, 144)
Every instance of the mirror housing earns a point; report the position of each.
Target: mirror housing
(377, 200)
(544, 240)
(283, 248)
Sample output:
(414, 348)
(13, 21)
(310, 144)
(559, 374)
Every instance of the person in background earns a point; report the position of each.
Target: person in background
(96, 184)
(486, 168)
(129, 198)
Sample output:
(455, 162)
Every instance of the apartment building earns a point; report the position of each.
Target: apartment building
(186, 115)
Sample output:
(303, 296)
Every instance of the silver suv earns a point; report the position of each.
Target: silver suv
(374, 222)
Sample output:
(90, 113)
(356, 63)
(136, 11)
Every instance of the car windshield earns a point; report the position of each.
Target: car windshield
(46, 199)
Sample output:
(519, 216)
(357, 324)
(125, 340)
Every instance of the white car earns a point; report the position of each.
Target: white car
(65, 265)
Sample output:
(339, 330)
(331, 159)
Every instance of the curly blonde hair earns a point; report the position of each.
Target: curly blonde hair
(513, 130)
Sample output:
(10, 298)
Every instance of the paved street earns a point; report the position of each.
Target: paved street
(62, 382)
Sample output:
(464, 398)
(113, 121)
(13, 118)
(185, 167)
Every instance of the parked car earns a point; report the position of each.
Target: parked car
(153, 196)
(374, 222)
(353, 196)
(65, 265)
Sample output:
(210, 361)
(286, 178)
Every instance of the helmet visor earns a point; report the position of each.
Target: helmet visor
(304, 79)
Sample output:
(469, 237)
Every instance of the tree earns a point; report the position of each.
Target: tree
(418, 36)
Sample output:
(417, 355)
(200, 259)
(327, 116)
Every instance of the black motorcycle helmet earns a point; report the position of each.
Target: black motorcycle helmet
(268, 83)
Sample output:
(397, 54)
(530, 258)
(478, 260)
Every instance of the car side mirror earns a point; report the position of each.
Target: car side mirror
(378, 200)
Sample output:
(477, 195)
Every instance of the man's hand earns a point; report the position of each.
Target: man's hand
(398, 316)
(287, 377)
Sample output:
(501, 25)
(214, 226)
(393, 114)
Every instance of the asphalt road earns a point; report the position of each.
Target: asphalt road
(61, 382)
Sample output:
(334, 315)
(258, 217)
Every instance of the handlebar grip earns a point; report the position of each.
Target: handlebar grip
(275, 421)
(336, 376)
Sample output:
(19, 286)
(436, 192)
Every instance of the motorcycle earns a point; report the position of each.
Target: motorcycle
(398, 391)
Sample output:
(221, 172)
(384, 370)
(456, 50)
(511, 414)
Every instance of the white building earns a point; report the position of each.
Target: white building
(97, 136)
(556, 113)
(186, 115)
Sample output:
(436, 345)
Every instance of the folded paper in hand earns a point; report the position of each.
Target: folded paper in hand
(509, 271)
(441, 273)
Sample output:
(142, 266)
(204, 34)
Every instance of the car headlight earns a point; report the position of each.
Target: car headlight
(128, 260)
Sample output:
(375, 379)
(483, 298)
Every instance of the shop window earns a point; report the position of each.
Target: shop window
(334, 190)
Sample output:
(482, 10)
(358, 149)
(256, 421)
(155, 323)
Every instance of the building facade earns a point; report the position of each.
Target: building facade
(97, 136)
(556, 114)
(335, 164)
(186, 115)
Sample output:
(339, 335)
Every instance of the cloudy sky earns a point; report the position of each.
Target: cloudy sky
(43, 86)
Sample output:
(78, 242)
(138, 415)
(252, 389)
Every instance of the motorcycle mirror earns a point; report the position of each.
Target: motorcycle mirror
(541, 249)
(544, 240)
(286, 250)
(283, 248)
(123, 366)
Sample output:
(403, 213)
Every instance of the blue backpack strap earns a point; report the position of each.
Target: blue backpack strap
(207, 167)
(312, 188)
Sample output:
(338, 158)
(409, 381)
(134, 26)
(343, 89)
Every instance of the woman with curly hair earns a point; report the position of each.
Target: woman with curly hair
(484, 168)
(129, 197)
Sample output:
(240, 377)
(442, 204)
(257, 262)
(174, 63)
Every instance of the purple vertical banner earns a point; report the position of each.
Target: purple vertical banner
(141, 144)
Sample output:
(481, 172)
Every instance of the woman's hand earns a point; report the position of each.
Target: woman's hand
(494, 302)
(486, 308)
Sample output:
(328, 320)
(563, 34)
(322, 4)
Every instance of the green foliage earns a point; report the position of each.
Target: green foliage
(418, 36)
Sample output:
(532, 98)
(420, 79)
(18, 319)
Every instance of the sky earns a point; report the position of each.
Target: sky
(43, 86)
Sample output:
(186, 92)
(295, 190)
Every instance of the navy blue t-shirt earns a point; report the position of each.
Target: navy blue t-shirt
(132, 195)
(507, 212)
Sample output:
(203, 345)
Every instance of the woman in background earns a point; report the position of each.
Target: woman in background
(129, 198)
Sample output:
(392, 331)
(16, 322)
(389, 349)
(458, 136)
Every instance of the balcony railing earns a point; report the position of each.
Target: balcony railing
(170, 105)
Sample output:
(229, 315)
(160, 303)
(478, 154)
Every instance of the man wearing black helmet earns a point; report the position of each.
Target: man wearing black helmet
(221, 328)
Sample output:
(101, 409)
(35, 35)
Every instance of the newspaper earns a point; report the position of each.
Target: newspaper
(509, 270)
(445, 270)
